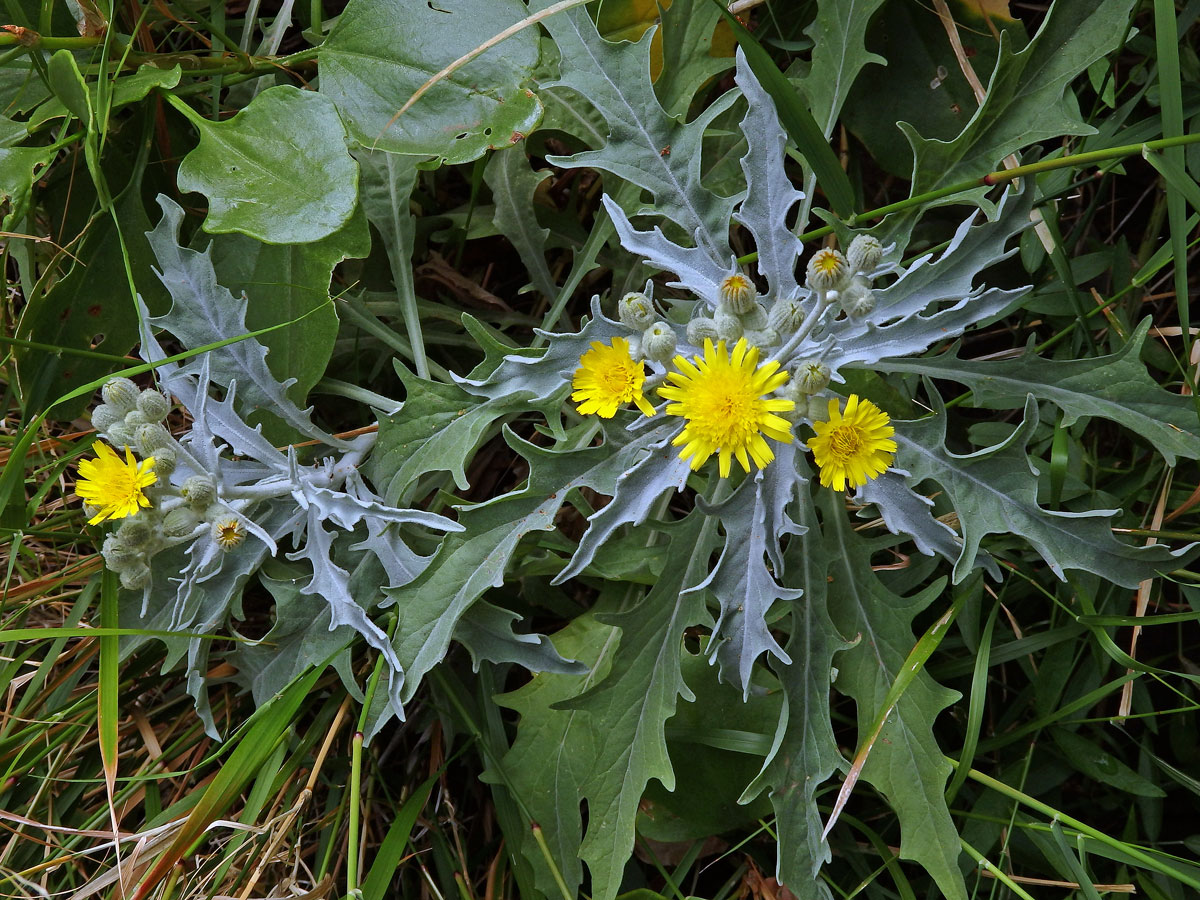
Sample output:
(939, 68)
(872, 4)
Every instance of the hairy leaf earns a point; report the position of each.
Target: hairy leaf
(1115, 387)
(905, 764)
(994, 491)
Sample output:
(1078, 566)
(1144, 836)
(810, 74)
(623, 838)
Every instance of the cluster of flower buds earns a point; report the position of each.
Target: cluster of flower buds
(738, 314)
(133, 418)
(656, 340)
(846, 279)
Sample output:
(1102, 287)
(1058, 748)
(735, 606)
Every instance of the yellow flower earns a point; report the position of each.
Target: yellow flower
(228, 532)
(723, 398)
(607, 378)
(855, 446)
(114, 487)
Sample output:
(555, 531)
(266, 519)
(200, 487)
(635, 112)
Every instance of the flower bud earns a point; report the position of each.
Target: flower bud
(729, 328)
(199, 491)
(105, 416)
(658, 342)
(864, 253)
(136, 576)
(786, 315)
(818, 408)
(636, 311)
(120, 435)
(165, 461)
(153, 437)
(228, 532)
(153, 405)
(755, 319)
(811, 377)
(120, 393)
(857, 299)
(737, 294)
(135, 532)
(827, 269)
(700, 329)
(117, 555)
(134, 420)
(180, 522)
(768, 337)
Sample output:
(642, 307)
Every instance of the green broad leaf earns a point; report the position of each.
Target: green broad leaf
(696, 46)
(645, 146)
(123, 91)
(553, 753)
(710, 741)
(67, 83)
(804, 753)
(255, 180)
(283, 282)
(628, 712)
(1097, 763)
(994, 491)
(382, 51)
(90, 310)
(923, 85)
(1115, 387)
(1027, 95)
(17, 167)
(839, 55)
(468, 563)
(437, 430)
(300, 638)
(906, 765)
(487, 633)
(513, 184)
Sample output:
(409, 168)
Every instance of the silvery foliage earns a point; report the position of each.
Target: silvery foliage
(324, 510)
(924, 303)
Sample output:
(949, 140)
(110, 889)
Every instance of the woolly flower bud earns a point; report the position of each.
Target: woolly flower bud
(737, 293)
(180, 522)
(658, 342)
(134, 420)
(164, 462)
(767, 337)
(121, 435)
(117, 555)
(699, 329)
(786, 316)
(152, 437)
(636, 311)
(827, 269)
(199, 491)
(729, 328)
(135, 532)
(120, 393)
(136, 576)
(857, 299)
(755, 319)
(228, 532)
(818, 408)
(864, 253)
(153, 405)
(811, 377)
(105, 416)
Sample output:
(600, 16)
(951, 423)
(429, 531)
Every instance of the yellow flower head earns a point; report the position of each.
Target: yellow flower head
(723, 398)
(608, 378)
(228, 532)
(855, 446)
(112, 486)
